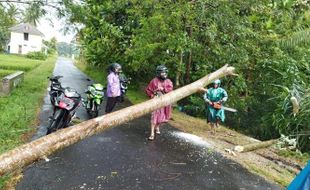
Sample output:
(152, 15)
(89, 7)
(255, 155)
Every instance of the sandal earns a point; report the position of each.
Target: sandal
(151, 138)
(157, 131)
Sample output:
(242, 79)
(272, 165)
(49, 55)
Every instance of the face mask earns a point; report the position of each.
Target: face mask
(118, 70)
(163, 75)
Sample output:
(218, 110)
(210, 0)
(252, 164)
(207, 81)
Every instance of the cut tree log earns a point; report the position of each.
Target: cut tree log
(44, 146)
(254, 146)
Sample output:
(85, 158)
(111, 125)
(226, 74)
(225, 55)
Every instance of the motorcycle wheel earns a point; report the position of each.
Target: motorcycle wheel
(56, 122)
(94, 113)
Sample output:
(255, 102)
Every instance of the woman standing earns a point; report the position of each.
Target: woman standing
(113, 86)
(159, 86)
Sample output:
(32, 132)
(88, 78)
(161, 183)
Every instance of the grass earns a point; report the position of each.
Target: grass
(19, 110)
(4, 73)
(300, 158)
(15, 62)
(98, 74)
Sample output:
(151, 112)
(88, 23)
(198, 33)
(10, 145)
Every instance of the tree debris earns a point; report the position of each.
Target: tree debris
(28, 153)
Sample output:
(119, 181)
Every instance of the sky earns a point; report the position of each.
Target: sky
(51, 26)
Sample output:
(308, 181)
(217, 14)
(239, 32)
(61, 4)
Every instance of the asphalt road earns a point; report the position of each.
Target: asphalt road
(123, 158)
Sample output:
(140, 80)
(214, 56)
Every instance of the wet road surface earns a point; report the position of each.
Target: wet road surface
(122, 157)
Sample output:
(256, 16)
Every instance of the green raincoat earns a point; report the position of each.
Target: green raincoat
(215, 95)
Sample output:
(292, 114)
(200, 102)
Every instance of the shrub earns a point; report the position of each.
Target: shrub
(36, 55)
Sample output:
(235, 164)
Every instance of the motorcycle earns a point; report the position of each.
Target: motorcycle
(55, 88)
(65, 102)
(94, 98)
(124, 81)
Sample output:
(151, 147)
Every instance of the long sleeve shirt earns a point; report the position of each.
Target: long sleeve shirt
(113, 87)
(215, 95)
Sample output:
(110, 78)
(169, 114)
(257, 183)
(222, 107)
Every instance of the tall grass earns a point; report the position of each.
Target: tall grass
(4, 73)
(14, 62)
(18, 111)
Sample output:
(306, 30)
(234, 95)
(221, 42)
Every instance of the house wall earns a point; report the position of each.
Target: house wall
(34, 43)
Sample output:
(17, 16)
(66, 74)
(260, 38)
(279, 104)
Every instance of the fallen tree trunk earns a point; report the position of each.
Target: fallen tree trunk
(254, 146)
(40, 148)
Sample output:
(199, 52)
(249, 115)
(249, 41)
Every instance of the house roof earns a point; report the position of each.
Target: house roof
(26, 28)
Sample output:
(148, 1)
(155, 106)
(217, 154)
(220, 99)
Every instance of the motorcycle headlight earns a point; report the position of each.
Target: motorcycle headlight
(99, 93)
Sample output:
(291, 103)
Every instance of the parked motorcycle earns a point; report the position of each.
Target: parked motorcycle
(65, 102)
(55, 88)
(94, 98)
(124, 81)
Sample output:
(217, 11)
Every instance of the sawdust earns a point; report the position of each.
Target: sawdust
(264, 162)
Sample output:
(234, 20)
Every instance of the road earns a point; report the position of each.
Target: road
(123, 158)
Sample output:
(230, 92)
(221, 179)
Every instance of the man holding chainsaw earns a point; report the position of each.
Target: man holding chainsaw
(214, 98)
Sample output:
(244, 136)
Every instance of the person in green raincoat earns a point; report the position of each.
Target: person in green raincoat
(214, 98)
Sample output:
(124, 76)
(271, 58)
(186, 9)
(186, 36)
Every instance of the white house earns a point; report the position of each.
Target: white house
(25, 38)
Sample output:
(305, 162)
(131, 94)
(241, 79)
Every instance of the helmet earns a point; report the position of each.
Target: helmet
(115, 67)
(161, 69)
(217, 81)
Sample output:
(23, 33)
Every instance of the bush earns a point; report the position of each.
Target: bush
(36, 55)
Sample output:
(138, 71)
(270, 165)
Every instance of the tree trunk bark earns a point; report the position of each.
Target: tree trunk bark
(40, 148)
(178, 72)
(254, 146)
(189, 62)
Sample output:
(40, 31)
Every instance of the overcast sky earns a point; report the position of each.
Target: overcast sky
(49, 30)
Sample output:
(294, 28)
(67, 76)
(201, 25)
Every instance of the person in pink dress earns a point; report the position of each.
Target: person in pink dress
(159, 86)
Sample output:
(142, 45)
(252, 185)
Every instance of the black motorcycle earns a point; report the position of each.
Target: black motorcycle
(124, 81)
(65, 102)
(55, 88)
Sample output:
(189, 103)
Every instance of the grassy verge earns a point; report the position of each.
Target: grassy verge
(4, 73)
(98, 74)
(19, 110)
(300, 158)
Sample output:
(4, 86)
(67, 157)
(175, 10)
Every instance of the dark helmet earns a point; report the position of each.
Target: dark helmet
(161, 69)
(115, 67)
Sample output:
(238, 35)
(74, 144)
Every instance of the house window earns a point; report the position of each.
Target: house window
(26, 36)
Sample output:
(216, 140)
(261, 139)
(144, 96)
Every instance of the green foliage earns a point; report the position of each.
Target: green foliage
(19, 113)
(18, 116)
(15, 62)
(194, 38)
(51, 45)
(34, 12)
(38, 55)
(7, 19)
(4, 73)
(98, 74)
